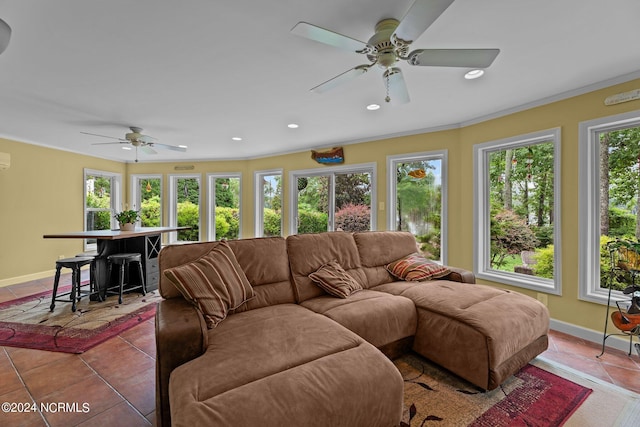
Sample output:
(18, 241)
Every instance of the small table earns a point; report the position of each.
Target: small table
(146, 241)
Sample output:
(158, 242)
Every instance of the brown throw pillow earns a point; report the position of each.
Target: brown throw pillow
(416, 268)
(214, 282)
(335, 281)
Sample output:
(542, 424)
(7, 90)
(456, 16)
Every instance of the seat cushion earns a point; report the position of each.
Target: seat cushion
(285, 362)
(377, 317)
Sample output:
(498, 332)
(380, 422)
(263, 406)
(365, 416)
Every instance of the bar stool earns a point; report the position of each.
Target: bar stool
(76, 293)
(92, 271)
(124, 260)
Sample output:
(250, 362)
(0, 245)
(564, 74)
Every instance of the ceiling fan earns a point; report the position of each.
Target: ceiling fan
(390, 44)
(145, 142)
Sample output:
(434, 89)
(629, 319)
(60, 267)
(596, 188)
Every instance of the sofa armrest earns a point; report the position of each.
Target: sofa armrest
(460, 275)
(181, 335)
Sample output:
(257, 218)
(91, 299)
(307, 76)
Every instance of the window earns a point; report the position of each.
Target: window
(417, 200)
(268, 203)
(102, 199)
(334, 198)
(184, 209)
(146, 197)
(609, 196)
(517, 211)
(223, 210)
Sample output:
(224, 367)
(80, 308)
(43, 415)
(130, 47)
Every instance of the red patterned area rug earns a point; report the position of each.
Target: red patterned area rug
(27, 322)
(532, 397)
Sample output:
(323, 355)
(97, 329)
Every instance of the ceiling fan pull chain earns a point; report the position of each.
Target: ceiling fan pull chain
(387, 98)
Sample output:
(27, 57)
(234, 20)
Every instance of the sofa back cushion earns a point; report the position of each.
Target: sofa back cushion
(263, 260)
(308, 252)
(379, 248)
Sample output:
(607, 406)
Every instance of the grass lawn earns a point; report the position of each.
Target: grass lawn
(510, 262)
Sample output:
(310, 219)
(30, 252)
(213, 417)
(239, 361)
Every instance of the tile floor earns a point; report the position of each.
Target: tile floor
(117, 377)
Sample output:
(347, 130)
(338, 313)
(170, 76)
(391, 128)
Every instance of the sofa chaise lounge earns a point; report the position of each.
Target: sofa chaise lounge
(293, 354)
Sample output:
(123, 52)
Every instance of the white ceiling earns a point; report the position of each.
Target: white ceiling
(197, 72)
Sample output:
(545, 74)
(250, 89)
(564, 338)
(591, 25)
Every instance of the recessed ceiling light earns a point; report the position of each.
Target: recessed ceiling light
(126, 148)
(373, 107)
(473, 74)
(292, 126)
(236, 138)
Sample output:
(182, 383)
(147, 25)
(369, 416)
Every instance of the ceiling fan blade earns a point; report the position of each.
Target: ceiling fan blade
(110, 143)
(104, 136)
(398, 92)
(148, 150)
(470, 58)
(341, 78)
(319, 34)
(167, 147)
(419, 17)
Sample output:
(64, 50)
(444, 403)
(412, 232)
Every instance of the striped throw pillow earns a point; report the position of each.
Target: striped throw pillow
(332, 278)
(214, 282)
(416, 268)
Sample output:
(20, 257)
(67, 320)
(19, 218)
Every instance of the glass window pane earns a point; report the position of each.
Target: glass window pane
(352, 202)
(150, 203)
(619, 193)
(272, 205)
(227, 208)
(188, 208)
(313, 204)
(419, 203)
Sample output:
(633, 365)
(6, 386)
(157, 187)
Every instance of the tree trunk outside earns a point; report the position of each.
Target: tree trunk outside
(604, 186)
(508, 195)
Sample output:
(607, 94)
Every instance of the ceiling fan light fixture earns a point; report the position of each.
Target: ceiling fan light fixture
(373, 107)
(5, 35)
(473, 74)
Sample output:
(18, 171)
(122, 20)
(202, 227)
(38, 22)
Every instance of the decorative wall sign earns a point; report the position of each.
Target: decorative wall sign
(335, 155)
(619, 98)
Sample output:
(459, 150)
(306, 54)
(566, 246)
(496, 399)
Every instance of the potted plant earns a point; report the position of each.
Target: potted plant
(127, 219)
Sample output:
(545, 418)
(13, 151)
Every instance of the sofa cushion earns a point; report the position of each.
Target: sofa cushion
(214, 282)
(335, 281)
(269, 276)
(415, 268)
(379, 248)
(308, 252)
(304, 368)
(377, 317)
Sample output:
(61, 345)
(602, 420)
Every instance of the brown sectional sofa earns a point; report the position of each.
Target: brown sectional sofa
(294, 355)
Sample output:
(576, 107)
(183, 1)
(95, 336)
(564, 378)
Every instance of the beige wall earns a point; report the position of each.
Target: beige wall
(42, 191)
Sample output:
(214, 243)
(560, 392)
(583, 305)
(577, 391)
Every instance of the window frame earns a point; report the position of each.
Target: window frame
(115, 196)
(392, 184)
(331, 171)
(211, 200)
(481, 218)
(258, 192)
(173, 207)
(589, 203)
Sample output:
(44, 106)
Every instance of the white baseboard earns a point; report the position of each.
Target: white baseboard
(617, 342)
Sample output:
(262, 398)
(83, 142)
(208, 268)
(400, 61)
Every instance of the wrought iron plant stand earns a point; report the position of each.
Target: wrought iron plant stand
(624, 270)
